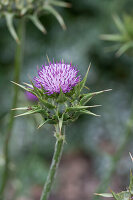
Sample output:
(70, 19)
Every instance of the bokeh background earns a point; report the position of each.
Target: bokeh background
(91, 141)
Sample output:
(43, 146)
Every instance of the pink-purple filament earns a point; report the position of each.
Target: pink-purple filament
(57, 76)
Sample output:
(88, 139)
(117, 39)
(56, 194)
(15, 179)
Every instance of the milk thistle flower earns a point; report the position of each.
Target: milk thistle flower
(61, 100)
(30, 96)
(56, 77)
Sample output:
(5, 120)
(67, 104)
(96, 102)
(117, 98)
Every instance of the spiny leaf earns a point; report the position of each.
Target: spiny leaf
(116, 197)
(56, 14)
(88, 96)
(46, 103)
(35, 89)
(104, 194)
(23, 108)
(37, 23)
(9, 21)
(29, 85)
(82, 83)
(119, 23)
(78, 88)
(61, 98)
(45, 122)
(77, 108)
(29, 112)
(60, 3)
(25, 88)
(124, 195)
(73, 119)
(65, 116)
(87, 112)
(124, 48)
(112, 37)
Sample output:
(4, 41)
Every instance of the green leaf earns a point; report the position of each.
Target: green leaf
(29, 85)
(56, 14)
(124, 48)
(116, 197)
(30, 112)
(36, 90)
(65, 116)
(78, 88)
(61, 98)
(45, 122)
(124, 195)
(25, 88)
(87, 113)
(46, 103)
(23, 108)
(72, 119)
(104, 194)
(37, 23)
(60, 3)
(9, 21)
(112, 37)
(88, 96)
(119, 23)
(77, 108)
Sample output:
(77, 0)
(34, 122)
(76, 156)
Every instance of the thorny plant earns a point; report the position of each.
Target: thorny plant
(22, 10)
(32, 10)
(61, 100)
(124, 195)
(124, 44)
(123, 39)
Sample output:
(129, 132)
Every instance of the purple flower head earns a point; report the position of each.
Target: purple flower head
(54, 77)
(30, 96)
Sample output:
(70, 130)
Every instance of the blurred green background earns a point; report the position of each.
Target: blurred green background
(91, 141)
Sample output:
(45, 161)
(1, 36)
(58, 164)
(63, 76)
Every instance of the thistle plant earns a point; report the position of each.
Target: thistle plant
(22, 10)
(30, 9)
(124, 44)
(124, 195)
(61, 100)
(124, 37)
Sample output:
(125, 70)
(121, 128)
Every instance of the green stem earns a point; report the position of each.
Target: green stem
(115, 159)
(54, 166)
(17, 67)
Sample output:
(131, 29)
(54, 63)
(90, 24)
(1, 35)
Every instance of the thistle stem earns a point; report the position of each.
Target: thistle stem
(53, 167)
(115, 159)
(17, 67)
